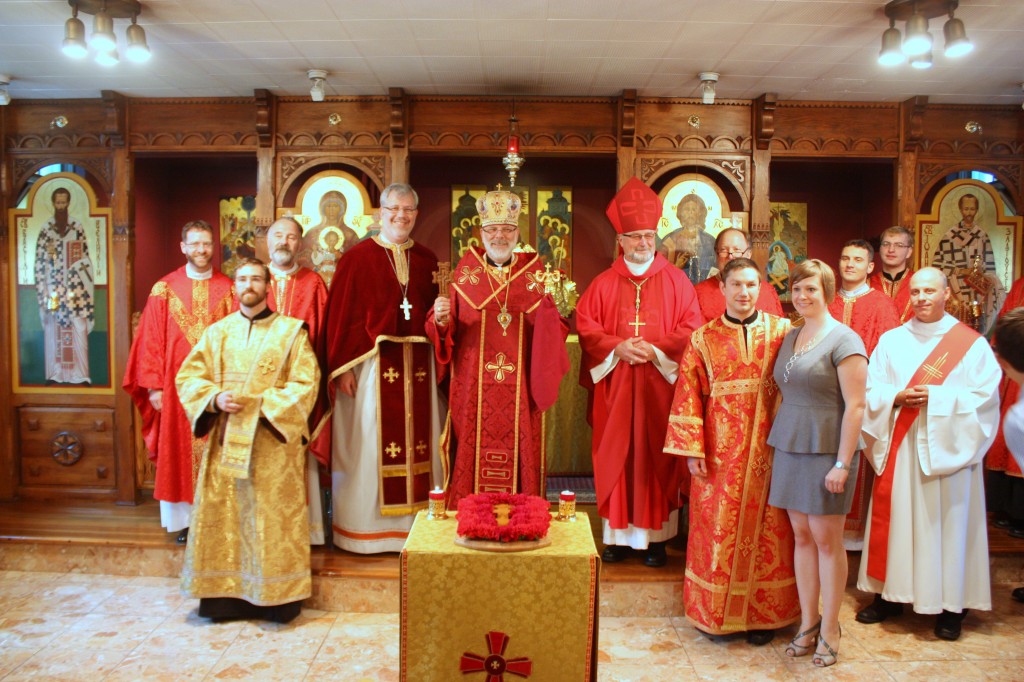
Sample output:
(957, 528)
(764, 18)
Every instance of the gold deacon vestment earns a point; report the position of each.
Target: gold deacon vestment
(249, 536)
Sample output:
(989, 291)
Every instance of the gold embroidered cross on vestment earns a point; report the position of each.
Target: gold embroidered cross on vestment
(266, 366)
(500, 367)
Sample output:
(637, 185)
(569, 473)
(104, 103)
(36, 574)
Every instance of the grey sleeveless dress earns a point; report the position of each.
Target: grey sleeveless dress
(805, 433)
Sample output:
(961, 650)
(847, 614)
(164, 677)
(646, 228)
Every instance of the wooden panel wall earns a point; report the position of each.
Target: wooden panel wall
(381, 136)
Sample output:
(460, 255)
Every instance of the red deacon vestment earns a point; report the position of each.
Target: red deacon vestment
(177, 313)
(869, 314)
(999, 457)
(712, 301)
(637, 483)
(898, 291)
(502, 380)
(739, 553)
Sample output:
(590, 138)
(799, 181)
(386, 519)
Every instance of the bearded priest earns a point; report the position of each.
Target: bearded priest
(501, 339)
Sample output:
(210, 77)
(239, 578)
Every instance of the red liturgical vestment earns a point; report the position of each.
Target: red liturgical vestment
(999, 457)
(384, 439)
(870, 315)
(177, 313)
(636, 482)
(898, 292)
(504, 350)
(712, 301)
(301, 294)
(739, 555)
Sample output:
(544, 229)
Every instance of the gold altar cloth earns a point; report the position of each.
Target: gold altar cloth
(544, 601)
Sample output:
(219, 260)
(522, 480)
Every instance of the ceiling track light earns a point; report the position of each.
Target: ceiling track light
(916, 42)
(103, 40)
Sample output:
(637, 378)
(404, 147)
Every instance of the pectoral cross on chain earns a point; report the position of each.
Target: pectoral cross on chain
(636, 323)
(406, 307)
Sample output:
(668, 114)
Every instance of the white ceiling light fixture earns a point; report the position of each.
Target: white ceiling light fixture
(916, 43)
(103, 40)
(5, 95)
(316, 90)
(708, 79)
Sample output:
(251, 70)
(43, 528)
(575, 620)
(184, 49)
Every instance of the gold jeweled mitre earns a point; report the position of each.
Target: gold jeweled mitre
(499, 207)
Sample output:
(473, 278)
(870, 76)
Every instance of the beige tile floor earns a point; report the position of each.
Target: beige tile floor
(64, 626)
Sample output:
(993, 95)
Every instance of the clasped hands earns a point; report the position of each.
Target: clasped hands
(635, 351)
(915, 396)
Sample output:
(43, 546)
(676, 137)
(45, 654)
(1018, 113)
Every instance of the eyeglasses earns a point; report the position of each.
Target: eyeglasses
(895, 245)
(638, 236)
(494, 229)
(404, 210)
(733, 252)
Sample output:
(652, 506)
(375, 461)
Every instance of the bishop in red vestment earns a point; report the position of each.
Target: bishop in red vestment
(731, 243)
(894, 278)
(298, 292)
(739, 552)
(381, 382)
(869, 313)
(634, 322)
(180, 308)
(502, 342)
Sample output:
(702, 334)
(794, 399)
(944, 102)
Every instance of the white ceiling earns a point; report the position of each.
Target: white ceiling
(800, 49)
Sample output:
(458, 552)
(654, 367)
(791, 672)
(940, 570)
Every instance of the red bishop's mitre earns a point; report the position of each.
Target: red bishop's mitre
(635, 207)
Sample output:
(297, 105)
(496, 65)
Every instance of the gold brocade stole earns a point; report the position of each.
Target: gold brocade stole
(240, 431)
(500, 380)
(406, 445)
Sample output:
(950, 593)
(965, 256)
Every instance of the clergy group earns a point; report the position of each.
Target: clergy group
(860, 421)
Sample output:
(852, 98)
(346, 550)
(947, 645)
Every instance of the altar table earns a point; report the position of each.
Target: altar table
(498, 617)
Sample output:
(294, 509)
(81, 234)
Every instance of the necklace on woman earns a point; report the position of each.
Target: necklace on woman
(504, 316)
(798, 354)
(401, 267)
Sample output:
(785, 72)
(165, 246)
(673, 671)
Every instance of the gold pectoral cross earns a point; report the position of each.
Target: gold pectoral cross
(636, 323)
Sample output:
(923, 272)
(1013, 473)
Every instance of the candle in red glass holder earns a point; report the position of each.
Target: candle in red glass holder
(436, 509)
(513, 144)
(566, 506)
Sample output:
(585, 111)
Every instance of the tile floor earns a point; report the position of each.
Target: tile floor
(70, 626)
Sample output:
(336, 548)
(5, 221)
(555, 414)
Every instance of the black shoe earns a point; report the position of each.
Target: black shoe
(182, 537)
(1002, 522)
(1016, 531)
(717, 639)
(1018, 594)
(656, 557)
(613, 554)
(760, 637)
(947, 625)
(879, 610)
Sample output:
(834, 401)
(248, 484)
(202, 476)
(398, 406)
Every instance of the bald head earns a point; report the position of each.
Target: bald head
(283, 238)
(929, 291)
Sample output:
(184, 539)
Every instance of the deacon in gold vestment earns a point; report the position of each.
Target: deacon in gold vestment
(250, 383)
(739, 555)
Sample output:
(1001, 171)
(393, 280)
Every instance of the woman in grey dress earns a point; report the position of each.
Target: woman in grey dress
(821, 371)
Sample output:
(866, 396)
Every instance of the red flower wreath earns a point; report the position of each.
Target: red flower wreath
(529, 518)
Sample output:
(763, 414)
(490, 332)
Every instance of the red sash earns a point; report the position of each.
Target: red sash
(933, 371)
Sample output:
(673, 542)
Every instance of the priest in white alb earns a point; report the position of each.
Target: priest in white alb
(932, 413)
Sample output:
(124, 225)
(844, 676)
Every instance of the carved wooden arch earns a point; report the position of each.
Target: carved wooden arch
(98, 171)
(930, 174)
(288, 174)
(655, 171)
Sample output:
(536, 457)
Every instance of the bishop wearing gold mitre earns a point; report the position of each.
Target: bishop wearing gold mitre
(501, 339)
